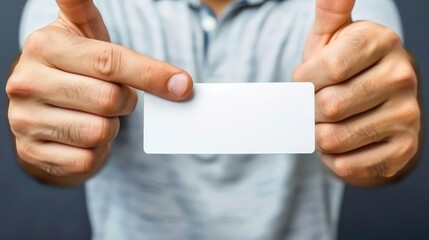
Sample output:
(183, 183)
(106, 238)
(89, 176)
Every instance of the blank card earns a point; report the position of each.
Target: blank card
(233, 118)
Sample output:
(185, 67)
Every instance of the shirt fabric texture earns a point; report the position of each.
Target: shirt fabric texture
(205, 197)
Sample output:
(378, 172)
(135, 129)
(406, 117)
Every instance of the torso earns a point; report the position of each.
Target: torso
(213, 197)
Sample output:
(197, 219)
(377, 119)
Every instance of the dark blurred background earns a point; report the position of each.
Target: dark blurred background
(31, 211)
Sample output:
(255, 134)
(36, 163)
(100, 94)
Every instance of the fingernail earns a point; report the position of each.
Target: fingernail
(178, 84)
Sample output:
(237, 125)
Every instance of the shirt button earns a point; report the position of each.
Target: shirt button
(208, 23)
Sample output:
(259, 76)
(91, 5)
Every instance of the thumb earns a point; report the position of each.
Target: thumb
(84, 15)
(331, 16)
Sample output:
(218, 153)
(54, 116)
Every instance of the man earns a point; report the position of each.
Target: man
(71, 85)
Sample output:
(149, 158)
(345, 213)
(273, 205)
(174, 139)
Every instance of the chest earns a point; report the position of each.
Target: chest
(248, 43)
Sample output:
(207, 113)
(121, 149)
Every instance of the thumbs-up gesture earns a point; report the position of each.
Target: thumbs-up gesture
(367, 113)
(68, 89)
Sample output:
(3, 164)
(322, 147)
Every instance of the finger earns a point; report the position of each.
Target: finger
(76, 92)
(379, 160)
(350, 55)
(85, 16)
(63, 126)
(109, 62)
(359, 94)
(352, 133)
(62, 160)
(331, 15)
(78, 11)
(381, 124)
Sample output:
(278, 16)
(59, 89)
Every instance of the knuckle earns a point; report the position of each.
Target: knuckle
(327, 140)
(36, 43)
(106, 62)
(18, 86)
(101, 131)
(391, 38)
(19, 124)
(25, 153)
(335, 69)
(133, 99)
(85, 164)
(28, 151)
(411, 113)
(390, 173)
(343, 169)
(330, 104)
(407, 149)
(404, 76)
(110, 100)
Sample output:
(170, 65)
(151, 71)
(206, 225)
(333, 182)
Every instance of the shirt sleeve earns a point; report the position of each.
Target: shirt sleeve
(383, 12)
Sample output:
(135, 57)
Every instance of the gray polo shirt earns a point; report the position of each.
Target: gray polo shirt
(231, 197)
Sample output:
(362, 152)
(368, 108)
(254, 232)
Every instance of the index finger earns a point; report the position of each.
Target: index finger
(112, 63)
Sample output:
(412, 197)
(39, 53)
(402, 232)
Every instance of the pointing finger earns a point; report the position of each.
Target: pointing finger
(109, 62)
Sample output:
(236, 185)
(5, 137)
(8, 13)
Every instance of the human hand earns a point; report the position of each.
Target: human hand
(367, 112)
(69, 87)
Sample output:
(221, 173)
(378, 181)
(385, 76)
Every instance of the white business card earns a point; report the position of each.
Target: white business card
(233, 118)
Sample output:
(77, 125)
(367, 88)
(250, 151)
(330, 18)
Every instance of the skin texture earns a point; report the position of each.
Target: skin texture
(367, 113)
(68, 89)
(70, 86)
